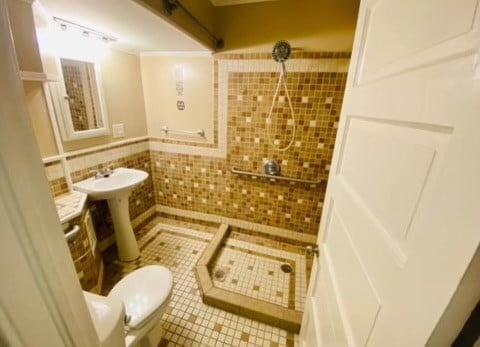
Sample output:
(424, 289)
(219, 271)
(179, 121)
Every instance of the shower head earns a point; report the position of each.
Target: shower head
(281, 51)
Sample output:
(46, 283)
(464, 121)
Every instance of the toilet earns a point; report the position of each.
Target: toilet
(144, 295)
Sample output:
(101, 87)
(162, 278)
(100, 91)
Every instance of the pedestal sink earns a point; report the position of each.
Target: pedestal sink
(116, 188)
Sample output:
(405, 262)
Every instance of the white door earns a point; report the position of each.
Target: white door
(402, 212)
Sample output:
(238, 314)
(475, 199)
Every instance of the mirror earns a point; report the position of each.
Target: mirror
(82, 96)
(80, 100)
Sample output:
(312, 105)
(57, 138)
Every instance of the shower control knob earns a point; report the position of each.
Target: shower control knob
(272, 168)
(312, 250)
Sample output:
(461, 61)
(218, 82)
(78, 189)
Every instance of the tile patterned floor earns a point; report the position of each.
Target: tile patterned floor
(187, 321)
(254, 270)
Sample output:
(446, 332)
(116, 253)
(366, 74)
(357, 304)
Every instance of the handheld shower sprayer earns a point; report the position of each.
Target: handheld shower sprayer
(280, 53)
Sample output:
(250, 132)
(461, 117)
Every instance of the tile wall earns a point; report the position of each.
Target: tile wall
(56, 178)
(196, 177)
(244, 89)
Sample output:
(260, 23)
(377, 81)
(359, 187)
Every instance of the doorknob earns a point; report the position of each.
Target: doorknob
(312, 250)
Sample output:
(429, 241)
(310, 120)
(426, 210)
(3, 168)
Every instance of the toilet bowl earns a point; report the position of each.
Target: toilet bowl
(144, 295)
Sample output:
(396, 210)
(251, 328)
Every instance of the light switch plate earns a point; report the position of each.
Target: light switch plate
(118, 130)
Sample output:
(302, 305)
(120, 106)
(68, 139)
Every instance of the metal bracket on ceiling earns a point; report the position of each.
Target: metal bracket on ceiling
(171, 5)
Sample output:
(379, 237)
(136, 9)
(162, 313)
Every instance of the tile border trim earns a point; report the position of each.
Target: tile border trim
(243, 305)
(99, 148)
(273, 231)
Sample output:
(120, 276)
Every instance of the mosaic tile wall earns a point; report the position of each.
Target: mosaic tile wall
(58, 185)
(205, 184)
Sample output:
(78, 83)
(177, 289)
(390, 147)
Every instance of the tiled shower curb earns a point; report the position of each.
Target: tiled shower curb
(243, 305)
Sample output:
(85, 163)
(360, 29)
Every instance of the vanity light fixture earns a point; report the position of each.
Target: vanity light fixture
(86, 32)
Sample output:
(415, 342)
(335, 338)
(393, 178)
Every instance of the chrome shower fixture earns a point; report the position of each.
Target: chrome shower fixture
(281, 52)
(272, 168)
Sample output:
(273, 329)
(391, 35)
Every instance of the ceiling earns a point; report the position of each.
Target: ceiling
(136, 28)
(234, 2)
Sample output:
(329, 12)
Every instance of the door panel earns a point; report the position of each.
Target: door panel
(400, 35)
(390, 38)
(323, 320)
(401, 219)
(359, 300)
(375, 157)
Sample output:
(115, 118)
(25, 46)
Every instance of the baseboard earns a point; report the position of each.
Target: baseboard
(274, 231)
(143, 217)
(104, 244)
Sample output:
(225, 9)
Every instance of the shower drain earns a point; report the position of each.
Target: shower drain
(219, 275)
(287, 268)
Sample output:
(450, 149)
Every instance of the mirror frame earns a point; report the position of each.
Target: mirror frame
(62, 107)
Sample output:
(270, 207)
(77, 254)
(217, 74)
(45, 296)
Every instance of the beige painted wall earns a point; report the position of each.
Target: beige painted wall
(317, 25)
(123, 92)
(310, 25)
(122, 87)
(23, 32)
(42, 127)
(158, 76)
(121, 79)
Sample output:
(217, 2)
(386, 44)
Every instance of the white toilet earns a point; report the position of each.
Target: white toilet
(144, 293)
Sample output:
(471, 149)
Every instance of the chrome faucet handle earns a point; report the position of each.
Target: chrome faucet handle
(98, 173)
(107, 172)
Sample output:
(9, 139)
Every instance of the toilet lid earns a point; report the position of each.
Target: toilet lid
(143, 291)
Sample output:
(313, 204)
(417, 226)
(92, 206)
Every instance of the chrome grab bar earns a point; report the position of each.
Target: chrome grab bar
(72, 235)
(274, 177)
(199, 132)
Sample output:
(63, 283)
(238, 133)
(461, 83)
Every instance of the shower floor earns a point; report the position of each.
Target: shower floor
(187, 321)
(253, 267)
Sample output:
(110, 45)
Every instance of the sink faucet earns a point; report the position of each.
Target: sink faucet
(102, 173)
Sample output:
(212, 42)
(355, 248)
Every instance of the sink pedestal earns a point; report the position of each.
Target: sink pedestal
(126, 243)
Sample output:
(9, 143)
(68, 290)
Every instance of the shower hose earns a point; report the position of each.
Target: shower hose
(269, 118)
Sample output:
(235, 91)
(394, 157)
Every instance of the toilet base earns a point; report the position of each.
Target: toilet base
(151, 339)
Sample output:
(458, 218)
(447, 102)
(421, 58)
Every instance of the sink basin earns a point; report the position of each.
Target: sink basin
(119, 183)
(115, 189)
